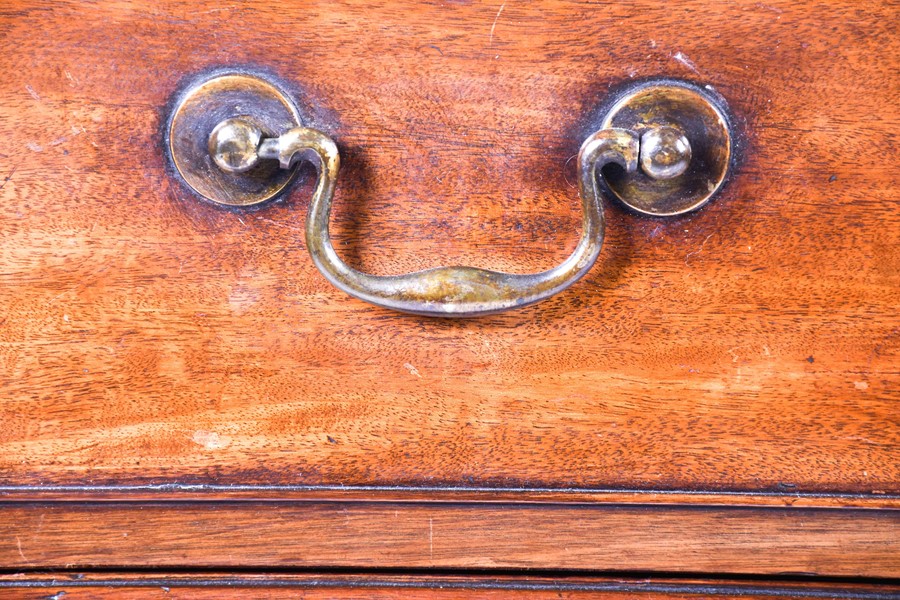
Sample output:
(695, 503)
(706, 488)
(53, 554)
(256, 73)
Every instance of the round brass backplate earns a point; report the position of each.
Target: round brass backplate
(207, 104)
(700, 116)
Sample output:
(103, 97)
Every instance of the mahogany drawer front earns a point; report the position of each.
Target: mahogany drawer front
(509, 537)
(156, 348)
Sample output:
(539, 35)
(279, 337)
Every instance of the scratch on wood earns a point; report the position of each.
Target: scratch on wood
(33, 93)
(441, 52)
(859, 438)
(288, 226)
(8, 177)
(431, 538)
(771, 8)
(19, 548)
(686, 62)
(494, 25)
(697, 251)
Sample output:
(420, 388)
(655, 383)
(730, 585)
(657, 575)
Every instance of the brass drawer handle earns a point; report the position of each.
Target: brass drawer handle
(667, 180)
(451, 291)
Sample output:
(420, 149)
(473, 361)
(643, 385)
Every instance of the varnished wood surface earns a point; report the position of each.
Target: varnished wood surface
(674, 539)
(148, 337)
(74, 585)
(749, 352)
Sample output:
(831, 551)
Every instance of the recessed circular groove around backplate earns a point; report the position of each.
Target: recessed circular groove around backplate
(699, 115)
(207, 104)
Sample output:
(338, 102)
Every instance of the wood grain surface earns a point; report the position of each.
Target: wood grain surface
(386, 535)
(147, 337)
(75, 585)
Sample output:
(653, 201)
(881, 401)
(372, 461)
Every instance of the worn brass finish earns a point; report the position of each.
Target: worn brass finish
(450, 291)
(233, 144)
(236, 145)
(234, 98)
(460, 291)
(682, 177)
(665, 152)
(224, 141)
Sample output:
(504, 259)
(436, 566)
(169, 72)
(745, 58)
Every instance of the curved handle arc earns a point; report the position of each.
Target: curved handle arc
(457, 291)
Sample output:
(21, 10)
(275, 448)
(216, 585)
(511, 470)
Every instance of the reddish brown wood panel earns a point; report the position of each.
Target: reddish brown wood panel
(148, 337)
(827, 542)
(393, 587)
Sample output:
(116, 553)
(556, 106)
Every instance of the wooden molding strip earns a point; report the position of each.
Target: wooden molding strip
(417, 535)
(370, 493)
(351, 586)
